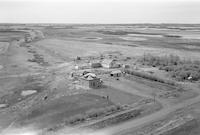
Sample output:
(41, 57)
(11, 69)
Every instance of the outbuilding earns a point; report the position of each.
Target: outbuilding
(125, 66)
(95, 64)
(116, 73)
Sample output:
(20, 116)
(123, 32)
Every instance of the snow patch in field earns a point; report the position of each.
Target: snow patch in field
(92, 38)
(133, 38)
(3, 105)
(28, 92)
(192, 36)
(146, 35)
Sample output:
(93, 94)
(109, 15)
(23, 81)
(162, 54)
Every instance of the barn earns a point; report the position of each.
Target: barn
(110, 63)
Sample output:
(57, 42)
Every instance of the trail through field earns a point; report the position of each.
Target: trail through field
(20, 75)
(134, 124)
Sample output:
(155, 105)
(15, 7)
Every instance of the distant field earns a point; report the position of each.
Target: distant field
(6, 36)
(71, 49)
(159, 36)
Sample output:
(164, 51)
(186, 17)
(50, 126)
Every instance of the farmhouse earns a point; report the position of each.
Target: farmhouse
(110, 63)
(116, 73)
(91, 80)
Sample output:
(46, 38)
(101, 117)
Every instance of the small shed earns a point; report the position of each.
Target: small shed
(72, 74)
(125, 66)
(95, 64)
(76, 67)
(116, 73)
(78, 58)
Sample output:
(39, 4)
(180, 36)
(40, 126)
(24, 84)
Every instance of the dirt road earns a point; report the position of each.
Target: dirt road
(123, 128)
(134, 124)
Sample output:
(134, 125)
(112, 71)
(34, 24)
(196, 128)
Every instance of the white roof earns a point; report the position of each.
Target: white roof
(116, 72)
(90, 74)
(107, 61)
(95, 61)
(90, 78)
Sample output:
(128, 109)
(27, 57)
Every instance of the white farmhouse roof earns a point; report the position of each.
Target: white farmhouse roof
(116, 72)
(107, 61)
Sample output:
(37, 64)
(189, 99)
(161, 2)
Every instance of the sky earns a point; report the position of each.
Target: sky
(99, 11)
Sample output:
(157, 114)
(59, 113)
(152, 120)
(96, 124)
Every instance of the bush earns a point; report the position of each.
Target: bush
(179, 69)
(75, 119)
(93, 113)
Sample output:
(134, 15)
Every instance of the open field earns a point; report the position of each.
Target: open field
(6, 36)
(54, 112)
(46, 72)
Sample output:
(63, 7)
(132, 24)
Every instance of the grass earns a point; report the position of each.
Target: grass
(55, 111)
(145, 109)
(116, 96)
(64, 43)
(15, 86)
(9, 35)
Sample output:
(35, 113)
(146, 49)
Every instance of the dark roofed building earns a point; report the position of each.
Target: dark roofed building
(116, 73)
(91, 80)
(95, 64)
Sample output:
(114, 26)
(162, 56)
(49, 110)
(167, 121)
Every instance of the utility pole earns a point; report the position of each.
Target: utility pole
(154, 97)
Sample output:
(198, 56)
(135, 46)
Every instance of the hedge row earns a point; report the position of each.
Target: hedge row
(150, 77)
(118, 119)
(93, 113)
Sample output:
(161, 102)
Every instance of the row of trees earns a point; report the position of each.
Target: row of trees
(179, 69)
(117, 119)
(149, 77)
(93, 113)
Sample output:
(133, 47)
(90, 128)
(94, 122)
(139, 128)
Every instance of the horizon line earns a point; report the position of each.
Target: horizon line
(94, 23)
